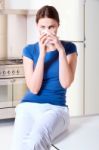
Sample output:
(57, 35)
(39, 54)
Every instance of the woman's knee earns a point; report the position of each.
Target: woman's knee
(40, 140)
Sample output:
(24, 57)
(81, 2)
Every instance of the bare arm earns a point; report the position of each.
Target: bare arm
(67, 66)
(34, 77)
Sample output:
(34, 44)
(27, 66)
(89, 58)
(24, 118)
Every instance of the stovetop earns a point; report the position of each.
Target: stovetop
(10, 68)
(12, 61)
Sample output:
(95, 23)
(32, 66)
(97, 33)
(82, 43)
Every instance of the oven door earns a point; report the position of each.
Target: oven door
(5, 93)
(19, 89)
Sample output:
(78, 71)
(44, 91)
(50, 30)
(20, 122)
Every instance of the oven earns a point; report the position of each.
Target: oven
(11, 91)
(12, 86)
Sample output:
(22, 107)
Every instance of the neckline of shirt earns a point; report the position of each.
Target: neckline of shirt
(48, 52)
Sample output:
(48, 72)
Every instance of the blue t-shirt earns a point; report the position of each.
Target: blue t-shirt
(51, 90)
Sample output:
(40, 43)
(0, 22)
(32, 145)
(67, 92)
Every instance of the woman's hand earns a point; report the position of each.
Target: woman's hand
(49, 41)
(42, 44)
(54, 40)
(45, 43)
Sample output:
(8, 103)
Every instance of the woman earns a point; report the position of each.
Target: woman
(49, 67)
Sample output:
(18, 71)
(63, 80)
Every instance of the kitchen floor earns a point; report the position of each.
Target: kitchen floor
(83, 134)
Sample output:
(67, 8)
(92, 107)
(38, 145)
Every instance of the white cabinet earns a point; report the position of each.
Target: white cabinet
(17, 4)
(92, 57)
(13, 35)
(26, 4)
(36, 4)
(17, 35)
(75, 94)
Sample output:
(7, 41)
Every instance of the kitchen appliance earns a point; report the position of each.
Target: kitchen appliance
(12, 86)
(92, 57)
(72, 20)
(11, 68)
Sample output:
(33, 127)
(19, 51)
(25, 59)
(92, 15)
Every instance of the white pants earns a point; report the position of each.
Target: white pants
(37, 125)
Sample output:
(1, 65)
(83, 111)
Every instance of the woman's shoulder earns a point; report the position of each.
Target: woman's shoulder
(69, 46)
(30, 45)
(29, 50)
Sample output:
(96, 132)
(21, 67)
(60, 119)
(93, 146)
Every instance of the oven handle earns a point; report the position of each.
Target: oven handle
(11, 81)
(18, 80)
(5, 81)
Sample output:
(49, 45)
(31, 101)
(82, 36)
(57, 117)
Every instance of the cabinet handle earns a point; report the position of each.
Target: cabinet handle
(12, 80)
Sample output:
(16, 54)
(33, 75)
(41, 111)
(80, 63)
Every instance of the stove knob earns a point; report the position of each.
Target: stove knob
(17, 71)
(13, 71)
(8, 72)
(4, 72)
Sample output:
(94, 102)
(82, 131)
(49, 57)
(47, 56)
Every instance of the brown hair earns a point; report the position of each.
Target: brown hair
(49, 12)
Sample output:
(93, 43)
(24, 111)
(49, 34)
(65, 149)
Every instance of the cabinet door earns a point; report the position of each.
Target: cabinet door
(17, 4)
(26, 4)
(19, 89)
(3, 36)
(92, 57)
(5, 93)
(17, 35)
(75, 92)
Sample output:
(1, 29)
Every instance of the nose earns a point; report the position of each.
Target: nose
(47, 29)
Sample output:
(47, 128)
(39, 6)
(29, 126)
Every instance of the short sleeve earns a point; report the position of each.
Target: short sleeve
(69, 47)
(28, 51)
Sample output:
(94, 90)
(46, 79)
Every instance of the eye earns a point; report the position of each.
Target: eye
(51, 27)
(42, 27)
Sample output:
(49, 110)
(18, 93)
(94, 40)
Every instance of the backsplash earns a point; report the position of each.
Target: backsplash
(3, 36)
(17, 29)
(1, 4)
(32, 35)
(17, 35)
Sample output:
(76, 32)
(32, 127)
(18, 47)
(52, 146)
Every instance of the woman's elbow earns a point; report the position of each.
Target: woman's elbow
(33, 89)
(66, 84)
(35, 92)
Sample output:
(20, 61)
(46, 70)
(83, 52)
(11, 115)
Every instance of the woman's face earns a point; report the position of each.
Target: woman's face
(47, 25)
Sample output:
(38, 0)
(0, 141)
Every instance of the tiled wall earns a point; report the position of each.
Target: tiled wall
(32, 35)
(3, 36)
(17, 35)
(1, 4)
